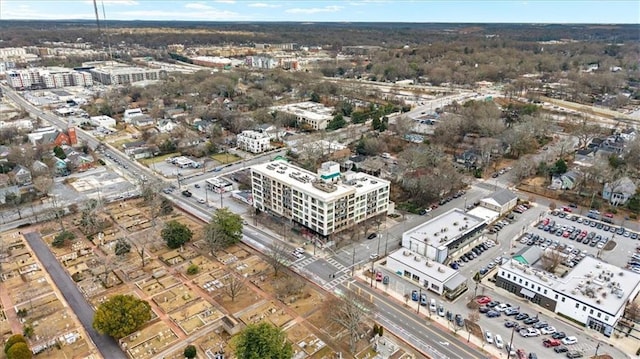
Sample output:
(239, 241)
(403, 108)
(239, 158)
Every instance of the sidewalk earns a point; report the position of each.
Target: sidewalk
(440, 322)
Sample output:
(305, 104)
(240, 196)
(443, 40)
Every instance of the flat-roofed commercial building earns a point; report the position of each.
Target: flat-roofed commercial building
(592, 293)
(434, 276)
(435, 238)
(325, 202)
(316, 115)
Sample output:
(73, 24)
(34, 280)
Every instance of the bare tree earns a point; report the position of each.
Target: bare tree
(350, 311)
(234, 286)
(472, 323)
(140, 245)
(632, 311)
(550, 260)
(43, 184)
(403, 125)
(277, 256)
(288, 286)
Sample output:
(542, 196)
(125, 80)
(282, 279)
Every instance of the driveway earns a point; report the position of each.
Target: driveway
(106, 345)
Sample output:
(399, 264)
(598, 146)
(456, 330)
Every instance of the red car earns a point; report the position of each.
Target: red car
(379, 277)
(548, 343)
(566, 209)
(521, 354)
(483, 300)
(608, 215)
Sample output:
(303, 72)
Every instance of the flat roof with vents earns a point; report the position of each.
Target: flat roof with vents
(445, 228)
(309, 182)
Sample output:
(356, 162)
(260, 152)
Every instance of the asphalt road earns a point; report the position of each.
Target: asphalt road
(106, 345)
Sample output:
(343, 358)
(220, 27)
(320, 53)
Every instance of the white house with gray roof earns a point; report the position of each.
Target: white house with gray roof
(501, 201)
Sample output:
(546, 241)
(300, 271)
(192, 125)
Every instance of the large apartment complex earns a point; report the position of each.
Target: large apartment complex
(122, 75)
(51, 77)
(326, 202)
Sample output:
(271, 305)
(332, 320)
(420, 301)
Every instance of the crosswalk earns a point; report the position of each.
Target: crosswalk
(341, 273)
(301, 263)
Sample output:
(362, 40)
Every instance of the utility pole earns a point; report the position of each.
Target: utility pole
(513, 330)
(419, 300)
(353, 261)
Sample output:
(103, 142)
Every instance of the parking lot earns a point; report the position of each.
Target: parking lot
(577, 236)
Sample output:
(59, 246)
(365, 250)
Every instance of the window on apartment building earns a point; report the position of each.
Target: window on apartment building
(545, 292)
(599, 315)
(556, 295)
(526, 283)
(538, 288)
(577, 305)
(606, 318)
(415, 278)
(563, 299)
(591, 311)
(584, 308)
(502, 273)
(520, 280)
(407, 274)
(435, 287)
(508, 275)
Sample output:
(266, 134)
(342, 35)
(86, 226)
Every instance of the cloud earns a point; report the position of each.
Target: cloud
(194, 15)
(115, 2)
(263, 5)
(314, 10)
(226, 1)
(197, 6)
(27, 12)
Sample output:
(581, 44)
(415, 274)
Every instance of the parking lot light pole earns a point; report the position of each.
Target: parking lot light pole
(513, 330)
(419, 300)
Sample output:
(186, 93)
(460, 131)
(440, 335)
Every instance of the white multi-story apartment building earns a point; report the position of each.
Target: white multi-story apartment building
(254, 141)
(316, 115)
(326, 202)
(593, 293)
(53, 77)
(119, 75)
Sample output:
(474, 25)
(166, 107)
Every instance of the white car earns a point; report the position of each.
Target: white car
(373, 256)
(498, 341)
(548, 330)
(529, 332)
(569, 340)
(488, 337)
(501, 307)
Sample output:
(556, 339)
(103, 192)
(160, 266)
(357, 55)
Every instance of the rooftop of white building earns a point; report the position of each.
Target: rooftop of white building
(307, 109)
(309, 182)
(600, 285)
(445, 228)
(438, 271)
(117, 70)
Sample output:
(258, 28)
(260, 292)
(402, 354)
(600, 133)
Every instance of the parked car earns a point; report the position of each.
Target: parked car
(498, 341)
(483, 300)
(561, 349)
(510, 324)
(488, 337)
(548, 330)
(522, 316)
(511, 311)
(501, 307)
(569, 340)
(548, 343)
(558, 335)
(493, 314)
(531, 320)
(529, 332)
(574, 354)
(540, 325)
(372, 236)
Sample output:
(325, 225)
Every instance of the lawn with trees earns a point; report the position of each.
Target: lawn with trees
(262, 341)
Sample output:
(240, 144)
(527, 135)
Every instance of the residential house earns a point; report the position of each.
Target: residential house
(131, 113)
(20, 175)
(39, 168)
(142, 121)
(565, 181)
(53, 139)
(166, 126)
(201, 125)
(4, 191)
(469, 158)
(175, 113)
(619, 192)
(60, 166)
(613, 145)
(585, 157)
(79, 161)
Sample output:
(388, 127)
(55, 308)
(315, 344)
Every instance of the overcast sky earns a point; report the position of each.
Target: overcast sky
(512, 11)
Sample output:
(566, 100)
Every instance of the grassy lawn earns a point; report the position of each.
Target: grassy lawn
(149, 161)
(225, 158)
(118, 144)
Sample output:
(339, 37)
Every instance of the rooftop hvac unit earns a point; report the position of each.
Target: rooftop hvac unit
(415, 258)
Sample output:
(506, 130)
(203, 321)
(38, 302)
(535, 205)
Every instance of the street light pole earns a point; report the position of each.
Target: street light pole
(513, 330)
(419, 300)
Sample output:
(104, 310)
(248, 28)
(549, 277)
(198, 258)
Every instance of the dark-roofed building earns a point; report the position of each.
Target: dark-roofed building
(501, 201)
